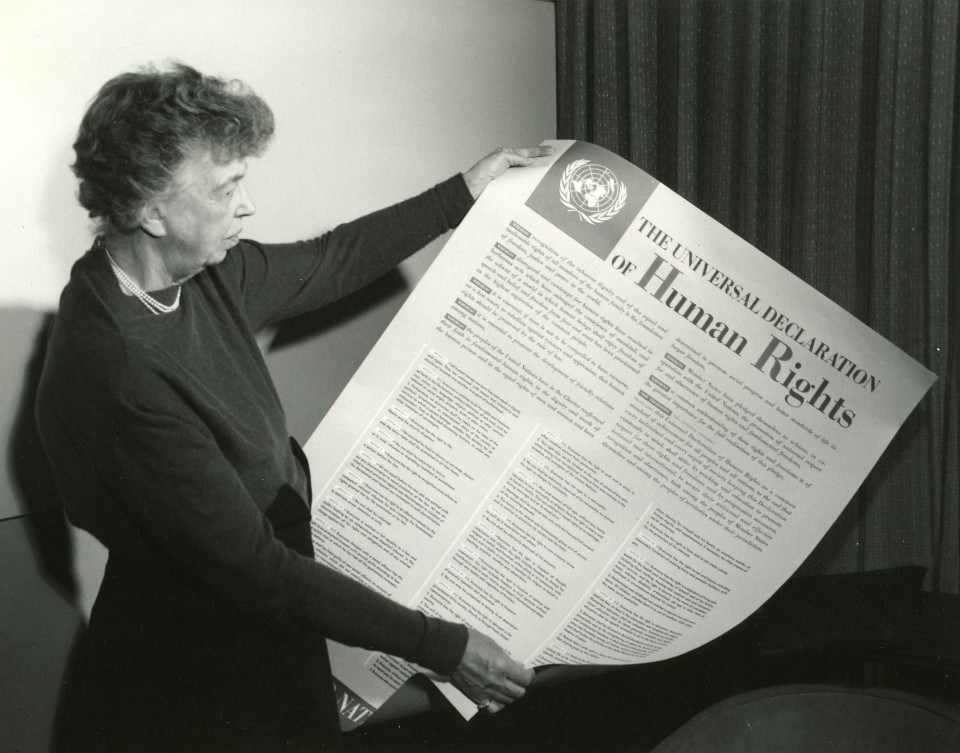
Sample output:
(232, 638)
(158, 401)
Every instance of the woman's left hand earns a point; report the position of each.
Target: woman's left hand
(488, 676)
(497, 163)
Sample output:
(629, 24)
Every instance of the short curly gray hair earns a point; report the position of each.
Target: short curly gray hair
(142, 125)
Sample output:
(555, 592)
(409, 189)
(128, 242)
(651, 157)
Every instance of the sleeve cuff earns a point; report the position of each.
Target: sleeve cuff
(442, 645)
(455, 198)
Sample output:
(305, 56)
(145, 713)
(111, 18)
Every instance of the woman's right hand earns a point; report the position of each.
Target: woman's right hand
(488, 676)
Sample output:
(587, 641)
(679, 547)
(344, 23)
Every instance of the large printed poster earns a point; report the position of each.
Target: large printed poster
(603, 429)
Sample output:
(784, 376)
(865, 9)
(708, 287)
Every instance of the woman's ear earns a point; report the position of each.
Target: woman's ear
(152, 220)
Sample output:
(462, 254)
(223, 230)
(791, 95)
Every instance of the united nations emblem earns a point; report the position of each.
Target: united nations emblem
(592, 191)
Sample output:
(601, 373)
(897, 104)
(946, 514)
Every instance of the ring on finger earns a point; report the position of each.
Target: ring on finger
(484, 704)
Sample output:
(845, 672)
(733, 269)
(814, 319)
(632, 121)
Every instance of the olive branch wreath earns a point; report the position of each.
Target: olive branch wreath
(598, 217)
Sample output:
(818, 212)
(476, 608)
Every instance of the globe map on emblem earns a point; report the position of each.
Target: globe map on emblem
(594, 188)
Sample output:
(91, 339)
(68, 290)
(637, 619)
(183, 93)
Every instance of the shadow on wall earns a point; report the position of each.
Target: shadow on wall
(41, 589)
(30, 477)
(314, 323)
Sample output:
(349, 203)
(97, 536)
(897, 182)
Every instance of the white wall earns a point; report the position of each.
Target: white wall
(375, 100)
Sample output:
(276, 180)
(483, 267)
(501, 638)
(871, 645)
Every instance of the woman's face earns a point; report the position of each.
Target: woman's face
(203, 218)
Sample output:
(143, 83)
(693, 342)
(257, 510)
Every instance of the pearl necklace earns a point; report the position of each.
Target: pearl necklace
(152, 304)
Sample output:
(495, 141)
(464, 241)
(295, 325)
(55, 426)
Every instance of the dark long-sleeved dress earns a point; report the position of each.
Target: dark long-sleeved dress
(169, 444)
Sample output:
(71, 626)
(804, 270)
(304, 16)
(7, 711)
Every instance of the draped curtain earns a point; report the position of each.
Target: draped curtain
(826, 133)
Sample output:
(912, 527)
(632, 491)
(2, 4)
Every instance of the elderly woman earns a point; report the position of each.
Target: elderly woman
(169, 443)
